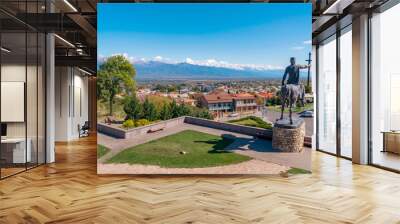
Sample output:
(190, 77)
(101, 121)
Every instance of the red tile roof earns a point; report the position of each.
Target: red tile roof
(217, 98)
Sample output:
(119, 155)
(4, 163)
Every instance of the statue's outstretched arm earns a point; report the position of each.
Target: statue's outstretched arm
(304, 66)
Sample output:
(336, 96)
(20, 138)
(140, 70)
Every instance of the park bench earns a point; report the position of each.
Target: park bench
(156, 129)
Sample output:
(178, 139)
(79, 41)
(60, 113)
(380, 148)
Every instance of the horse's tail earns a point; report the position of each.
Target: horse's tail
(286, 93)
(302, 94)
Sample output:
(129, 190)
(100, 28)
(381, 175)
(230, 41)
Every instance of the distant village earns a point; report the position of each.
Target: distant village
(222, 98)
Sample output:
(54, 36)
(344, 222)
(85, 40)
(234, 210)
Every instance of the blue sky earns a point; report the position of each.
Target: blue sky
(256, 34)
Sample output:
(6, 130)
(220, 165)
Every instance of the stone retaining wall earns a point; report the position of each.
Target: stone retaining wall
(118, 132)
(111, 130)
(246, 130)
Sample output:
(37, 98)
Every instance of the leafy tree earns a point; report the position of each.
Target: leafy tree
(184, 110)
(133, 108)
(160, 88)
(174, 109)
(165, 112)
(260, 101)
(115, 76)
(149, 110)
(171, 88)
(158, 101)
(275, 100)
(206, 115)
(196, 89)
(201, 113)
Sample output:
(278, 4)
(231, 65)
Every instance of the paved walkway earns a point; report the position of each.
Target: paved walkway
(253, 166)
(262, 150)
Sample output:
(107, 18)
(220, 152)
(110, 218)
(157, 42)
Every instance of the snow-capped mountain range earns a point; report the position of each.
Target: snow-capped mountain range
(164, 69)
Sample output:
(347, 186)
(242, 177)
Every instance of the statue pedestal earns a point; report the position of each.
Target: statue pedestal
(288, 137)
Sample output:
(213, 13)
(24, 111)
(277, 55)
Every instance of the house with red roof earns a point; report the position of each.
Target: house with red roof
(221, 104)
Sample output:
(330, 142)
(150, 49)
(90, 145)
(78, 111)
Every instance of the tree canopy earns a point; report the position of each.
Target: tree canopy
(115, 76)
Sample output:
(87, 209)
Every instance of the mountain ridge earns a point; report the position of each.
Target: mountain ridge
(183, 70)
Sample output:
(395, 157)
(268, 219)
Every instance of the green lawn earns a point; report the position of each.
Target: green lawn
(298, 171)
(101, 150)
(202, 150)
(308, 106)
(252, 121)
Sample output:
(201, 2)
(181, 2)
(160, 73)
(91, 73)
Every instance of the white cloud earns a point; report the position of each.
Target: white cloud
(307, 42)
(158, 58)
(164, 60)
(224, 64)
(131, 59)
(189, 61)
(297, 48)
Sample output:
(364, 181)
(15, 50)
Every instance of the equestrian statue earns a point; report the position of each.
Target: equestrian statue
(291, 90)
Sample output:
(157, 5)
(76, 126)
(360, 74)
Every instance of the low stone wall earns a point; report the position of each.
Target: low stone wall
(246, 130)
(118, 132)
(111, 130)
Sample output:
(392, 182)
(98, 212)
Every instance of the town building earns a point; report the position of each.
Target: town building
(244, 103)
(222, 104)
(219, 104)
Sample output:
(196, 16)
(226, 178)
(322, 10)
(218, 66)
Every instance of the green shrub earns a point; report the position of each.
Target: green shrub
(149, 110)
(142, 122)
(133, 108)
(129, 123)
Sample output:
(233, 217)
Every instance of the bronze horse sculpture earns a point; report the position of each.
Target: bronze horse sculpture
(290, 94)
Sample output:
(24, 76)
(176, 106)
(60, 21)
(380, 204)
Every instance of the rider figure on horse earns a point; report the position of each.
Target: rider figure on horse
(293, 71)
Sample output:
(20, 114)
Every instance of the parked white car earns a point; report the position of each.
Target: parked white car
(233, 115)
(307, 113)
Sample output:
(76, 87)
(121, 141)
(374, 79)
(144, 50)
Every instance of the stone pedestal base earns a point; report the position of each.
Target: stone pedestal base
(289, 137)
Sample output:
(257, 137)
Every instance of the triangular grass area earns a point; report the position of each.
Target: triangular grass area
(186, 149)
